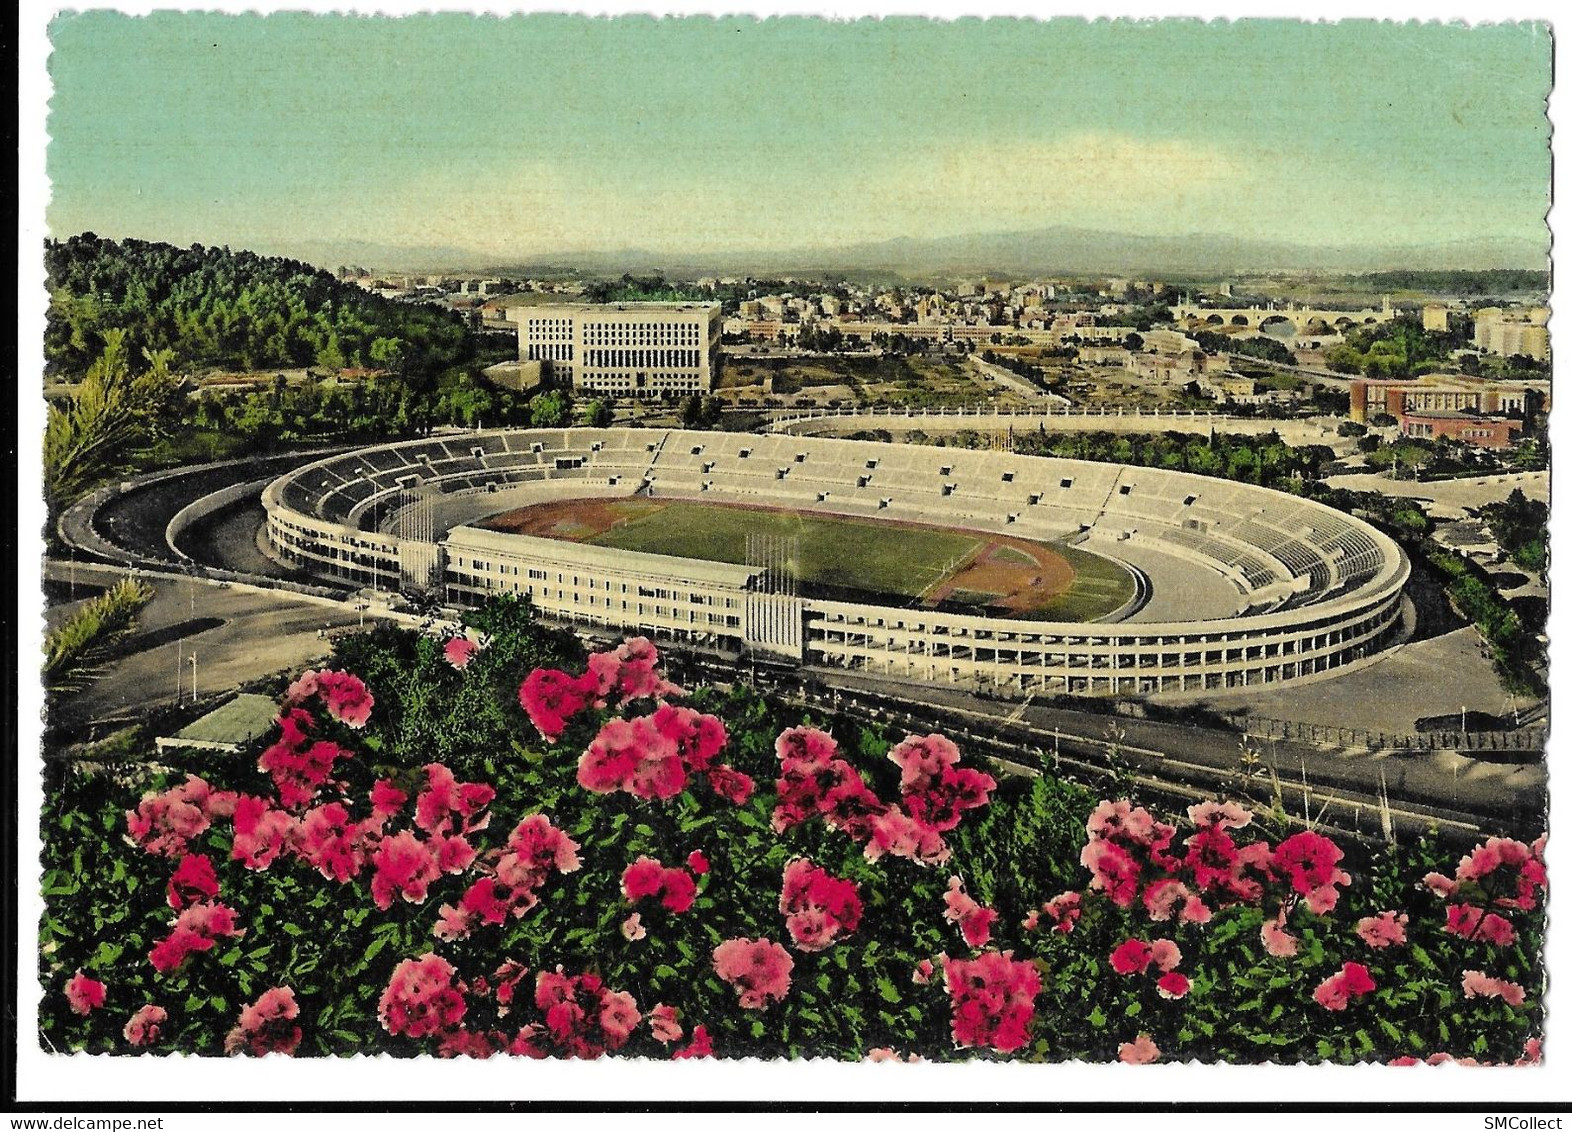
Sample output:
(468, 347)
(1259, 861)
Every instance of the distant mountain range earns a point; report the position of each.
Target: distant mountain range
(1043, 251)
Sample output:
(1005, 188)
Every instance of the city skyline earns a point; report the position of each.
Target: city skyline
(531, 137)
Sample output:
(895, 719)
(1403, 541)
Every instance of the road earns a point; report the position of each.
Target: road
(258, 633)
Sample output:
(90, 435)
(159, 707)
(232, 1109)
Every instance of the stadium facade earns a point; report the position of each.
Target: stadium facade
(635, 350)
(1309, 589)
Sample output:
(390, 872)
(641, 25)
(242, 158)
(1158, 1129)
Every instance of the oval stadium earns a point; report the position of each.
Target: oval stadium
(980, 568)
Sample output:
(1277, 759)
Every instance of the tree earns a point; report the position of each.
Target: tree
(114, 410)
(595, 413)
(550, 409)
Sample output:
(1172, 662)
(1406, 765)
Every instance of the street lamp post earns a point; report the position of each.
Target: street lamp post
(193, 677)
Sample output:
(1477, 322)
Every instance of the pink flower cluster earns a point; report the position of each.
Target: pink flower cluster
(1383, 930)
(551, 697)
(298, 765)
(514, 877)
(422, 997)
(1062, 912)
(197, 929)
(1135, 956)
(652, 756)
(1132, 857)
(974, 920)
(1500, 874)
(342, 693)
(584, 1017)
(1336, 991)
(267, 1026)
(146, 1026)
(648, 878)
(759, 970)
(84, 993)
(818, 906)
(1476, 984)
(816, 782)
(992, 1000)
(167, 822)
(1141, 1051)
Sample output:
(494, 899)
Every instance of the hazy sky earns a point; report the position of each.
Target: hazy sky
(539, 134)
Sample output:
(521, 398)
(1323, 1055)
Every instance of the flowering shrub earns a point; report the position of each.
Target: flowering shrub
(509, 849)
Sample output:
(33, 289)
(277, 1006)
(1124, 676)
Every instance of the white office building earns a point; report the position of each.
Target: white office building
(636, 350)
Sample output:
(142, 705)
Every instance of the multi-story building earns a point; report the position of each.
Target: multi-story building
(1513, 331)
(1434, 317)
(625, 349)
(1482, 432)
(1443, 394)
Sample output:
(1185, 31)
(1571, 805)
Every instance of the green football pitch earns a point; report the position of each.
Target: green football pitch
(832, 553)
(845, 558)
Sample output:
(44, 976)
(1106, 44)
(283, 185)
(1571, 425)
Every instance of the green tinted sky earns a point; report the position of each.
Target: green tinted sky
(544, 133)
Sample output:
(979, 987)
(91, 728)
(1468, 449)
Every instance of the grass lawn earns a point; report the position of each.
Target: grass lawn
(835, 554)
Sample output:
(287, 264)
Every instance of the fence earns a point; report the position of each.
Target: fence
(1526, 739)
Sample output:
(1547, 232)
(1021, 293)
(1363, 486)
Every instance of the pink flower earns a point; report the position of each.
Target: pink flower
(85, 994)
(337, 847)
(552, 698)
(1309, 862)
(647, 877)
(165, 823)
(1142, 1051)
(449, 806)
(1064, 910)
(1277, 940)
(584, 1018)
(1472, 922)
(1165, 954)
(1114, 871)
(1213, 858)
(1229, 815)
(992, 1000)
(698, 1046)
(898, 834)
(633, 928)
(759, 970)
(261, 832)
(1165, 897)
(404, 867)
(145, 1027)
(632, 756)
(1478, 984)
(922, 974)
(421, 998)
(459, 651)
(730, 784)
(1131, 957)
(345, 697)
(663, 1023)
(923, 760)
(267, 1025)
(1173, 985)
(1386, 929)
(698, 863)
(196, 929)
(297, 765)
(629, 672)
(193, 880)
(1352, 981)
(386, 799)
(974, 920)
(697, 737)
(818, 907)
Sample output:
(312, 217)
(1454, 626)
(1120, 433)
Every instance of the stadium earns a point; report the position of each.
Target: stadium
(981, 568)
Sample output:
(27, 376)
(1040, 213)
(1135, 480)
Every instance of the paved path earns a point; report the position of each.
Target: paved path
(1450, 497)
